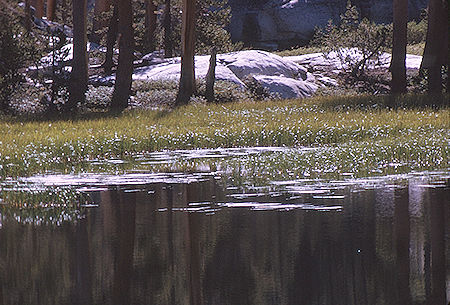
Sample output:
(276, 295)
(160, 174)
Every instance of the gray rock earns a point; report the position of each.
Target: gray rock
(252, 62)
(170, 69)
(283, 23)
(154, 58)
(52, 27)
(281, 76)
(286, 88)
(326, 81)
(65, 54)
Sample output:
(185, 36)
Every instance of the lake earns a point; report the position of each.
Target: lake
(195, 238)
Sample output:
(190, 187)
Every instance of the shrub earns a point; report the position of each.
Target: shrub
(12, 54)
(212, 20)
(230, 92)
(225, 91)
(98, 97)
(355, 42)
(417, 31)
(154, 93)
(154, 98)
(164, 84)
(256, 90)
(164, 92)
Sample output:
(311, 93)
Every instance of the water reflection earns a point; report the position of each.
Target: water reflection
(184, 243)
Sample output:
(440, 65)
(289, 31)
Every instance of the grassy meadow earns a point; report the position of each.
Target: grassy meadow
(415, 134)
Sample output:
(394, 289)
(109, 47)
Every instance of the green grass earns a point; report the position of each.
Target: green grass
(415, 49)
(299, 51)
(28, 147)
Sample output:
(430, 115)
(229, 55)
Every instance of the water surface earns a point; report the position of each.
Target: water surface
(195, 239)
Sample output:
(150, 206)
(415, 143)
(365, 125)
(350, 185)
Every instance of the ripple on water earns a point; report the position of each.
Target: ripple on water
(282, 195)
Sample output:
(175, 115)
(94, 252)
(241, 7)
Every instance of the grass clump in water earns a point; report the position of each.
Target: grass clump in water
(423, 152)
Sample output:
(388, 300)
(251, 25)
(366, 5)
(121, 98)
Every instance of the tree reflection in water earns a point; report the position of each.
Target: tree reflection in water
(155, 245)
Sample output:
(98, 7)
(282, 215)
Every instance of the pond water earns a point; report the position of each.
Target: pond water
(194, 238)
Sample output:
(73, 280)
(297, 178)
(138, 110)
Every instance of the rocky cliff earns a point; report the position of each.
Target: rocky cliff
(272, 24)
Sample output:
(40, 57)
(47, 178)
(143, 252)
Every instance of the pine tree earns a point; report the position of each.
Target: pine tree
(79, 75)
(398, 63)
(436, 54)
(122, 87)
(187, 80)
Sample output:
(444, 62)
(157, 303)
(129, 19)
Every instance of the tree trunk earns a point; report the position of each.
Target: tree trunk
(51, 7)
(99, 22)
(39, 8)
(122, 87)
(187, 80)
(150, 24)
(435, 54)
(446, 43)
(111, 37)
(168, 45)
(27, 15)
(211, 76)
(79, 75)
(398, 62)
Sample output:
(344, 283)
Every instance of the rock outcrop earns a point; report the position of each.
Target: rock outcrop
(279, 76)
(273, 24)
(284, 77)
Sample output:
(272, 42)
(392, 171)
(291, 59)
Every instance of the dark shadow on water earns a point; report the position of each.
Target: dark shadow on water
(171, 244)
(402, 241)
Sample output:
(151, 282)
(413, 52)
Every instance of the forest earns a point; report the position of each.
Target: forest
(34, 28)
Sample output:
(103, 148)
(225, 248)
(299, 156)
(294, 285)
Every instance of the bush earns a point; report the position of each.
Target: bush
(164, 92)
(164, 84)
(224, 91)
(154, 98)
(256, 90)
(98, 97)
(11, 55)
(212, 20)
(154, 93)
(355, 42)
(417, 31)
(21, 48)
(214, 16)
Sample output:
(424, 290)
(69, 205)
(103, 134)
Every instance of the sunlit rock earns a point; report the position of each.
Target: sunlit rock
(256, 62)
(286, 88)
(280, 76)
(170, 69)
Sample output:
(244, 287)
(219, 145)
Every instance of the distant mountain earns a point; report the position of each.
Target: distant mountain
(273, 24)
